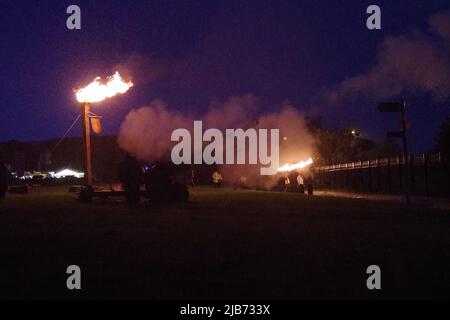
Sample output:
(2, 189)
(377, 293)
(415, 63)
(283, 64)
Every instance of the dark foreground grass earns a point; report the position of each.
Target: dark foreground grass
(222, 244)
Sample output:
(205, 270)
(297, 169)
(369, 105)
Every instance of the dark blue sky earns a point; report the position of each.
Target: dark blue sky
(189, 53)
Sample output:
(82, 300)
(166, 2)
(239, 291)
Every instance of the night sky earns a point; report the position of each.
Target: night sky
(192, 53)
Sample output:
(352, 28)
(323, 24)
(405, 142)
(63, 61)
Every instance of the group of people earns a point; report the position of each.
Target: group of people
(297, 182)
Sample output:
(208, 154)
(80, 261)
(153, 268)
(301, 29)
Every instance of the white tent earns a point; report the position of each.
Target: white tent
(68, 173)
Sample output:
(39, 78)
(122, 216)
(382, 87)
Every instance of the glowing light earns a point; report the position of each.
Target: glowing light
(97, 91)
(355, 133)
(289, 167)
(68, 173)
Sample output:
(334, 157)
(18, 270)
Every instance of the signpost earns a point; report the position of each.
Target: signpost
(400, 107)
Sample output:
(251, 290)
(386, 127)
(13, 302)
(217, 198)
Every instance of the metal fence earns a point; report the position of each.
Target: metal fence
(429, 175)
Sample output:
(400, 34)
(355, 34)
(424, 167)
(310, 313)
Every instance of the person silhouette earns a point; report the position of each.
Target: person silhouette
(131, 176)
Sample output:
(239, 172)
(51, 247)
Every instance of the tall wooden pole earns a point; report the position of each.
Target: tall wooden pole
(86, 144)
(405, 156)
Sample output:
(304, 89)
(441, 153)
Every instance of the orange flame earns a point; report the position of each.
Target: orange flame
(97, 91)
(289, 167)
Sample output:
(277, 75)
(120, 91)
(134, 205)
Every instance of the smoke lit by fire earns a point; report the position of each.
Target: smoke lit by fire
(146, 131)
(97, 91)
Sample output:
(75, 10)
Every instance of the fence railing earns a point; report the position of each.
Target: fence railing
(429, 175)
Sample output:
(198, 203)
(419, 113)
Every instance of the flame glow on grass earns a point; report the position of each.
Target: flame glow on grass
(97, 91)
(289, 167)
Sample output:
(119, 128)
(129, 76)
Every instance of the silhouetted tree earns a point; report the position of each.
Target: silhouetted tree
(345, 145)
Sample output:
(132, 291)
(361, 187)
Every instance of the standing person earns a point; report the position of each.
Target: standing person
(131, 176)
(309, 186)
(217, 179)
(300, 184)
(3, 178)
(309, 183)
(293, 186)
(287, 183)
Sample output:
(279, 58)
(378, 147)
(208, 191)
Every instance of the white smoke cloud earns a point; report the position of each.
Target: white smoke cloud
(145, 132)
(417, 63)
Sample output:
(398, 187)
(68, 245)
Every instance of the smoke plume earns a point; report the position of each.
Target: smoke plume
(146, 132)
(416, 63)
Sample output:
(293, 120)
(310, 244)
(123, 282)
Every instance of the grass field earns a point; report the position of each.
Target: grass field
(222, 244)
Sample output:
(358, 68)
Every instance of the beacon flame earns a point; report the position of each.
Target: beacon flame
(299, 165)
(97, 91)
